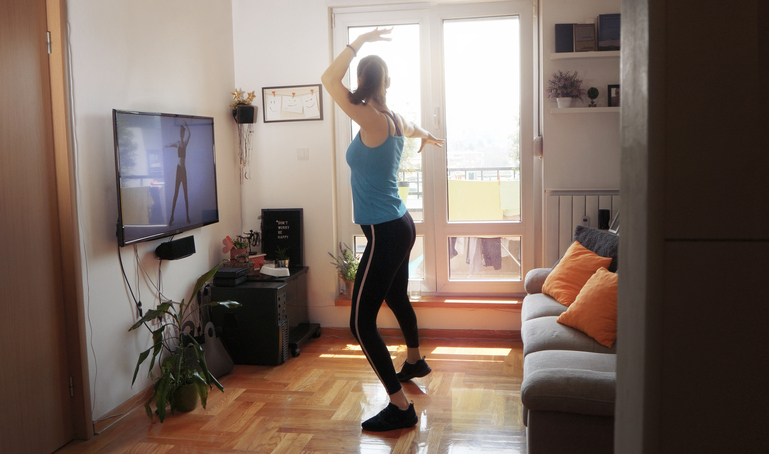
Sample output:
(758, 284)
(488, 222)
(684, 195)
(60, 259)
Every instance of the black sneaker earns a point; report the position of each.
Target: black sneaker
(418, 369)
(391, 418)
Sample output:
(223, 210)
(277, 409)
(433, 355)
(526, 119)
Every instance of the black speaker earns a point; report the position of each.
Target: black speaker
(176, 249)
(603, 219)
(244, 114)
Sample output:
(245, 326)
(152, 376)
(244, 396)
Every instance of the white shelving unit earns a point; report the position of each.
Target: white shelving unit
(584, 55)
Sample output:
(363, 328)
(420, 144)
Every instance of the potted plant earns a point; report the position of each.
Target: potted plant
(239, 249)
(281, 257)
(184, 374)
(565, 87)
(592, 93)
(346, 264)
(242, 110)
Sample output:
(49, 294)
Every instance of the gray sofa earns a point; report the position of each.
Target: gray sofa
(569, 379)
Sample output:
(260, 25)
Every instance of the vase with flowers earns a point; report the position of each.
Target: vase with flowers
(565, 87)
(346, 264)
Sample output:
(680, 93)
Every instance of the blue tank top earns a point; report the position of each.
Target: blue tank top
(374, 178)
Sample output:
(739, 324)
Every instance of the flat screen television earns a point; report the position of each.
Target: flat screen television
(166, 174)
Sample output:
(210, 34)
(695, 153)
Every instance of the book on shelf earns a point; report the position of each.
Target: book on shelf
(608, 26)
(584, 37)
(564, 38)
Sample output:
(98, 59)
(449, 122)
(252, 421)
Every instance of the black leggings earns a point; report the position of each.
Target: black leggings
(383, 275)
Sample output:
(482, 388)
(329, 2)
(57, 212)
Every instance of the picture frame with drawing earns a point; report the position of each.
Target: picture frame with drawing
(292, 103)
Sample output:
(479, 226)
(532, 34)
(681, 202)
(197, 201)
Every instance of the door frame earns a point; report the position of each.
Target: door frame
(431, 17)
(74, 315)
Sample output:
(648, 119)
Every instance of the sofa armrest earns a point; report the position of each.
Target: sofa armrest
(570, 382)
(535, 279)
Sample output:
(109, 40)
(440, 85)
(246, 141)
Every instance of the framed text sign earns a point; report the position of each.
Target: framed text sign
(282, 230)
(292, 103)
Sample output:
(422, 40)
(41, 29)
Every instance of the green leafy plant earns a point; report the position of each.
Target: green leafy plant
(281, 253)
(240, 242)
(346, 263)
(181, 358)
(592, 93)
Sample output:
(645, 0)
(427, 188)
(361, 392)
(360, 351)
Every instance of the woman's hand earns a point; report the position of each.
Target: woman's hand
(431, 140)
(376, 35)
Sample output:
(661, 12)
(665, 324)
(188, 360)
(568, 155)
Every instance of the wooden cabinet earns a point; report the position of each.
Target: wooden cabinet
(270, 323)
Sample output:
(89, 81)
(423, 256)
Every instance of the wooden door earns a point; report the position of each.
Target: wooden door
(35, 406)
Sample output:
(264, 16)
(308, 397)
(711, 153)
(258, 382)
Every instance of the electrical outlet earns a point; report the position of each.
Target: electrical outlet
(585, 221)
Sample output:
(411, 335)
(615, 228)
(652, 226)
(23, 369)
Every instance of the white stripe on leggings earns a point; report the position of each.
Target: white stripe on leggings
(372, 244)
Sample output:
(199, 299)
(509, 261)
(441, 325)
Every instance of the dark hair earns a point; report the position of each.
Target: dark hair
(372, 74)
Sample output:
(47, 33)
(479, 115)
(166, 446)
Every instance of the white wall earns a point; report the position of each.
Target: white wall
(276, 45)
(172, 56)
(581, 151)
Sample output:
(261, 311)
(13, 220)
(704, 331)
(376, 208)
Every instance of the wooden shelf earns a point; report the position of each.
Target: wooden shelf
(580, 110)
(573, 55)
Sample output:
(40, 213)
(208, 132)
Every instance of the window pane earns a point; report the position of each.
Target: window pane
(416, 259)
(482, 119)
(485, 259)
(403, 97)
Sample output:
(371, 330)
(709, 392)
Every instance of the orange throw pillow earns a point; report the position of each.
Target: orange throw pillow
(594, 312)
(573, 270)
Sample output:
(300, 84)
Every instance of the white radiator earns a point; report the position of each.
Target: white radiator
(566, 209)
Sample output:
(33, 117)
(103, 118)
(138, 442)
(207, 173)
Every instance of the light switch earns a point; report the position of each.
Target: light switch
(303, 154)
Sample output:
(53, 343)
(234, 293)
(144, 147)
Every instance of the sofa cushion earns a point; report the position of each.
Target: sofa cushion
(568, 381)
(577, 265)
(545, 333)
(601, 242)
(535, 279)
(540, 305)
(594, 311)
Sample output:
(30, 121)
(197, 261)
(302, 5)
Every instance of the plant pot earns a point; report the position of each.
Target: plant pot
(348, 286)
(282, 263)
(564, 102)
(235, 254)
(244, 114)
(186, 398)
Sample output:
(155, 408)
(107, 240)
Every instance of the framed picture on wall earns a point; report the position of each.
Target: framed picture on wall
(614, 98)
(292, 103)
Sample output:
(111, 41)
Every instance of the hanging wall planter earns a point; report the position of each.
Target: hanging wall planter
(244, 114)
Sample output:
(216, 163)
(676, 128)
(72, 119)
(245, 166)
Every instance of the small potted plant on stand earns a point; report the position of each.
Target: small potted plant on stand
(281, 257)
(184, 374)
(346, 264)
(565, 88)
(242, 110)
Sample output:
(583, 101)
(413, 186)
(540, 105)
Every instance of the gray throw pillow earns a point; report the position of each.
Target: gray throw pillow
(601, 242)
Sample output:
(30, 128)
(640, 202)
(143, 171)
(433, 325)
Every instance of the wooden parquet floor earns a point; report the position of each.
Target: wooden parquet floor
(314, 403)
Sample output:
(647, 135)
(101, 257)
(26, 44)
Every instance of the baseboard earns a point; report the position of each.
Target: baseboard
(121, 411)
(454, 334)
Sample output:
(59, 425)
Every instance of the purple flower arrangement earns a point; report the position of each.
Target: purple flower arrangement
(565, 85)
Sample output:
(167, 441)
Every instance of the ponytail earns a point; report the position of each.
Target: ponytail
(372, 73)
